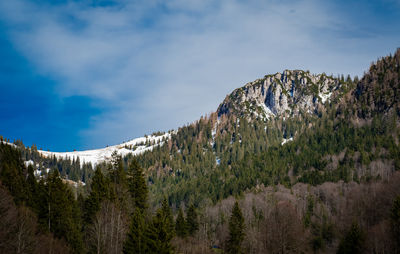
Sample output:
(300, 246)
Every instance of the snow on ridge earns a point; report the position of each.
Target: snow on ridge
(8, 143)
(324, 96)
(284, 141)
(267, 111)
(135, 147)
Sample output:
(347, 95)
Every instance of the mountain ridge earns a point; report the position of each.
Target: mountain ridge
(279, 94)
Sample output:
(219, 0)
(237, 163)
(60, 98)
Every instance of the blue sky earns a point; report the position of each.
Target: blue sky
(86, 74)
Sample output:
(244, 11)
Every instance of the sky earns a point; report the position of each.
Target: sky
(87, 74)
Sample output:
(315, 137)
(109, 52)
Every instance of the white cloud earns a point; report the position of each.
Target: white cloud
(162, 67)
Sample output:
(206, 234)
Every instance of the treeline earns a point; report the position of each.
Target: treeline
(45, 216)
(332, 149)
(329, 218)
(69, 168)
(209, 146)
(217, 157)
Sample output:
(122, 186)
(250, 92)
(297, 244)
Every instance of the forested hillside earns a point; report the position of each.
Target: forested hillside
(290, 163)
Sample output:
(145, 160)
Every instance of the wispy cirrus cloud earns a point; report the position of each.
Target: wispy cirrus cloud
(155, 65)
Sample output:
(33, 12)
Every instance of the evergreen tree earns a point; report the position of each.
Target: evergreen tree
(138, 186)
(140, 238)
(236, 230)
(169, 219)
(180, 225)
(352, 242)
(119, 182)
(12, 173)
(192, 220)
(158, 236)
(60, 212)
(136, 241)
(117, 173)
(100, 191)
(32, 188)
(395, 221)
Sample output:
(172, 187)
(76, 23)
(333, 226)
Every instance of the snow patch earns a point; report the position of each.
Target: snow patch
(325, 96)
(267, 111)
(10, 144)
(30, 162)
(135, 147)
(284, 141)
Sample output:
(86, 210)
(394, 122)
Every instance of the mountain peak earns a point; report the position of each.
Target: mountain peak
(286, 93)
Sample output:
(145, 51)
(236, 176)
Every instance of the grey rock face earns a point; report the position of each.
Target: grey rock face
(280, 94)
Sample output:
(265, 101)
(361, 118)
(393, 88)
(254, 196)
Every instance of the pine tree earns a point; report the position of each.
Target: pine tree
(192, 220)
(395, 221)
(138, 186)
(158, 236)
(180, 225)
(135, 241)
(32, 188)
(169, 219)
(353, 241)
(60, 212)
(100, 191)
(141, 236)
(236, 230)
(119, 182)
(12, 173)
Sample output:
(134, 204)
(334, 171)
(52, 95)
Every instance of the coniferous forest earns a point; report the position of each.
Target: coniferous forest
(225, 184)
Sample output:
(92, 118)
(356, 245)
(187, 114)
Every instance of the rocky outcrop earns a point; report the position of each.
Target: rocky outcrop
(280, 94)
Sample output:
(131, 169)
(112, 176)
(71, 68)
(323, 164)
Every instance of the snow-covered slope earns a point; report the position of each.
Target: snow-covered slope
(134, 147)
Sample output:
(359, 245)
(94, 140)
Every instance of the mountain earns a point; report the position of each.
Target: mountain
(281, 94)
(312, 160)
(285, 94)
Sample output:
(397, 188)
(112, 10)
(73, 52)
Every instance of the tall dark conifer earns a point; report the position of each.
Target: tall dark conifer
(353, 241)
(136, 241)
(395, 222)
(158, 234)
(60, 212)
(236, 231)
(180, 225)
(140, 238)
(100, 191)
(138, 186)
(192, 220)
(169, 219)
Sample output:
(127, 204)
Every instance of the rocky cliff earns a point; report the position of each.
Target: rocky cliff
(281, 94)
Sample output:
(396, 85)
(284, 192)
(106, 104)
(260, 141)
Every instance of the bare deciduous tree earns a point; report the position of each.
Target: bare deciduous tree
(108, 231)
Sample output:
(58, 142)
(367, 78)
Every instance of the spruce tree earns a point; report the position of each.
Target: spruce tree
(192, 220)
(141, 235)
(395, 221)
(158, 235)
(180, 225)
(169, 219)
(60, 212)
(352, 242)
(100, 191)
(236, 230)
(136, 241)
(138, 186)
(32, 188)
(119, 182)
(12, 173)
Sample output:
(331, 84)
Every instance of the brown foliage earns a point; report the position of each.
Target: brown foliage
(109, 228)
(18, 230)
(284, 230)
